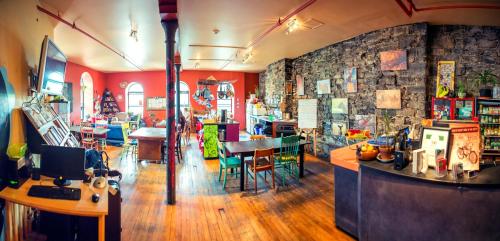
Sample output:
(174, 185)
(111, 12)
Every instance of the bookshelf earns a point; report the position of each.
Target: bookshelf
(108, 104)
(45, 126)
(489, 120)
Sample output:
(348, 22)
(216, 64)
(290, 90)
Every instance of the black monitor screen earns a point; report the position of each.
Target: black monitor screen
(52, 69)
(60, 161)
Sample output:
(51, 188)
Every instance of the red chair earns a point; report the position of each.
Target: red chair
(88, 140)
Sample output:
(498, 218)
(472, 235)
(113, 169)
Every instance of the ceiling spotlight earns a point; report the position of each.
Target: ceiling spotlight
(133, 31)
(216, 31)
(292, 26)
(247, 57)
(197, 65)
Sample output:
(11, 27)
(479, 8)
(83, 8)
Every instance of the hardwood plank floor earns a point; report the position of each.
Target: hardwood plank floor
(205, 211)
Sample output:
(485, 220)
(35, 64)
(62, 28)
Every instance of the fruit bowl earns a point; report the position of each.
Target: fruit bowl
(367, 152)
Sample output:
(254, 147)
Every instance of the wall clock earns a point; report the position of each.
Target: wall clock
(119, 97)
(123, 84)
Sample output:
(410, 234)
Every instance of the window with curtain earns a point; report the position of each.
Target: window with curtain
(225, 103)
(135, 98)
(183, 94)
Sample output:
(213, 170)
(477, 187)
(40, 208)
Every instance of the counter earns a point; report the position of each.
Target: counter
(375, 202)
(211, 132)
(278, 126)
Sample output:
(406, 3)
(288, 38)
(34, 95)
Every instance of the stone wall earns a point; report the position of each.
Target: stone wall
(424, 44)
(473, 48)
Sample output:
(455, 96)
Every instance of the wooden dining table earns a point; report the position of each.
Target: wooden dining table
(150, 142)
(247, 148)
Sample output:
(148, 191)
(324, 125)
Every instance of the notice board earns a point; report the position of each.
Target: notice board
(308, 113)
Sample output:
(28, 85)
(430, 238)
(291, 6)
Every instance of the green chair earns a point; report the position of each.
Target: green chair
(226, 162)
(287, 158)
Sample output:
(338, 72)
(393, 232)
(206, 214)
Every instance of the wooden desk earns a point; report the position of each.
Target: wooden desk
(16, 198)
(150, 142)
(247, 148)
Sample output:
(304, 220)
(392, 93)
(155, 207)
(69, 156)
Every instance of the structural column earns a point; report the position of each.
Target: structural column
(170, 27)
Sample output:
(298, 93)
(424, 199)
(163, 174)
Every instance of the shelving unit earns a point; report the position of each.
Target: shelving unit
(45, 126)
(108, 104)
(488, 112)
(453, 108)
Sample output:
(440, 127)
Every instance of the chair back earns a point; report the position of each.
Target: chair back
(257, 137)
(289, 146)
(125, 129)
(222, 151)
(87, 132)
(263, 153)
(178, 138)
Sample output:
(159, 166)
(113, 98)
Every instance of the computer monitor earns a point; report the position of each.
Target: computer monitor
(62, 163)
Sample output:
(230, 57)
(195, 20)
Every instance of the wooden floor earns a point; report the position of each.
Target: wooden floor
(205, 211)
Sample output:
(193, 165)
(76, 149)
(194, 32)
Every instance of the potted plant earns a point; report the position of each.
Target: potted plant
(461, 91)
(485, 80)
(386, 146)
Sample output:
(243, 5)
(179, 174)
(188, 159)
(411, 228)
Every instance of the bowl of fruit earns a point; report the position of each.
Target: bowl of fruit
(367, 152)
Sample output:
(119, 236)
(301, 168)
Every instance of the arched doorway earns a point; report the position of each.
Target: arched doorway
(86, 96)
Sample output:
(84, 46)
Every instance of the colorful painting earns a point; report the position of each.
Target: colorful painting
(465, 148)
(433, 139)
(445, 76)
(393, 60)
(300, 84)
(210, 133)
(350, 80)
(388, 99)
(339, 128)
(365, 122)
(340, 106)
(323, 87)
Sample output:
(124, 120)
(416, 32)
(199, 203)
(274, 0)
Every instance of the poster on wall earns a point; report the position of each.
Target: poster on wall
(388, 99)
(434, 139)
(445, 76)
(308, 113)
(465, 148)
(393, 60)
(365, 122)
(339, 128)
(300, 84)
(323, 87)
(350, 80)
(340, 106)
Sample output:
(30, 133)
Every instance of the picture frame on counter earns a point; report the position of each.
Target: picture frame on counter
(432, 139)
(465, 148)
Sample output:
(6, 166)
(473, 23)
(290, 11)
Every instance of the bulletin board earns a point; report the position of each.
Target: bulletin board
(157, 103)
(308, 113)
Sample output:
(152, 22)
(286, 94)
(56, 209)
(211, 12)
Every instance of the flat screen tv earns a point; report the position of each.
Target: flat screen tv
(51, 69)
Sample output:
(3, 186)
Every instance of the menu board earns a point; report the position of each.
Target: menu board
(308, 113)
(157, 103)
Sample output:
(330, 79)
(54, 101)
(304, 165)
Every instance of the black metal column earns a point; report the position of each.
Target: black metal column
(170, 26)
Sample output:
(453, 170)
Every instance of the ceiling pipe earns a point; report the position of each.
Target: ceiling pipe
(275, 26)
(73, 26)
(410, 8)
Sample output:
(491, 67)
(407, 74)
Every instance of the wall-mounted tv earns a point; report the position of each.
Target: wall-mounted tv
(51, 69)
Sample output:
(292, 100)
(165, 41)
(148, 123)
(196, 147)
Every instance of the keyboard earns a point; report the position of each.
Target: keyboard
(54, 192)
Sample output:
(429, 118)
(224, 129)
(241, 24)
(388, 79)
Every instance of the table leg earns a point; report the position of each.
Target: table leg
(301, 167)
(100, 232)
(8, 221)
(242, 171)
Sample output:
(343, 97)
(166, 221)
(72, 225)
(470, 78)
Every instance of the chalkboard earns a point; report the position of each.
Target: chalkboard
(308, 113)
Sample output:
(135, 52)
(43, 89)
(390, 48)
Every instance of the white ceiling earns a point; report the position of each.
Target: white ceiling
(239, 22)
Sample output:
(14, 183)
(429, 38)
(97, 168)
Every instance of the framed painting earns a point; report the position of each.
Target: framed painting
(365, 122)
(393, 60)
(434, 140)
(350, 80)
(388, 99)
(340, 106)
(300, 84)
(339, 128)
(445, 75)
(323, 87)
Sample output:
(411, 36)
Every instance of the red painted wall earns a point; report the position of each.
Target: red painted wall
(73, 75)
(154, 85)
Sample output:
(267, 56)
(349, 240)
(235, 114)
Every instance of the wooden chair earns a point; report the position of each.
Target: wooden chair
(226, 162)
(178, 145)
(263, 161)
(129, 145)
(101, 139)
(88, 140)
(187, 133)
(257, 137)
(287, 158)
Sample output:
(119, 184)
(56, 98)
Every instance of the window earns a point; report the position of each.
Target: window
(135, 98)
(225, 102)
(183, 94)
(86, 96)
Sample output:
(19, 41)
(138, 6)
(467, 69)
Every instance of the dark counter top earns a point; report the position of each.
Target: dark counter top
(488, 177)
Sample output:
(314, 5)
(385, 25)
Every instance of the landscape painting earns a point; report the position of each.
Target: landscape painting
(323, 87)
(300, 84)
(393, 60)
(350, 80)
(365, 122)
(388, 99)
(340, 106)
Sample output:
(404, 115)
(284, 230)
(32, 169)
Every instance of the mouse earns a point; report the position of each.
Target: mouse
(95, 197)
(100, 182)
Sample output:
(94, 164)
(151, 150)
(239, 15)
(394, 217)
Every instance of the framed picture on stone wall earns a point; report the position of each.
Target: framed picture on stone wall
(365, 122)
(393, 60)
(445, 75)
(350, 80)
(323, 87)
(300, 84)
(388, 99)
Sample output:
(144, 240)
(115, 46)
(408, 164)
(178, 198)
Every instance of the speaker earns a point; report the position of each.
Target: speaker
(400, 161)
